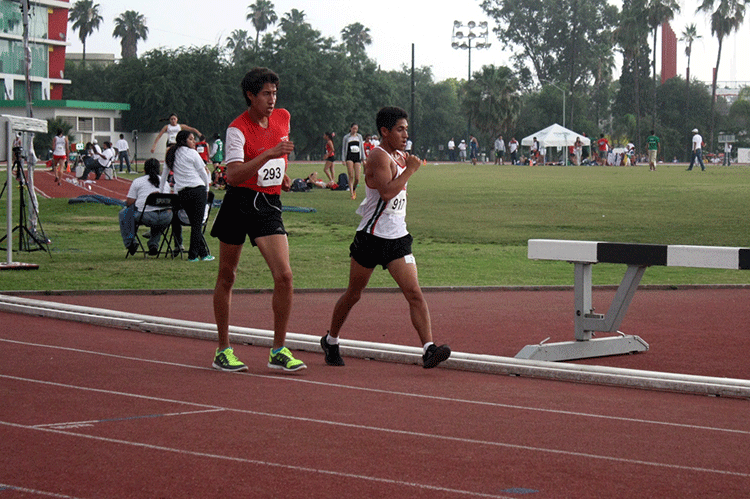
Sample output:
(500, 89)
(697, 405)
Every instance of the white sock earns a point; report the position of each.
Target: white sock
(426, 346)
(331, 340)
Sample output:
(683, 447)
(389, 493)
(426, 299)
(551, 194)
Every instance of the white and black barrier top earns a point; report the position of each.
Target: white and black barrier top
(642, 255)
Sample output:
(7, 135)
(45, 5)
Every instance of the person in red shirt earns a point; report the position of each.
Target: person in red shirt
(202, 147)
(257, 147)
(603, 144)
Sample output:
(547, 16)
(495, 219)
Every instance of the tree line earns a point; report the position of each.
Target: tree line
(564, 52)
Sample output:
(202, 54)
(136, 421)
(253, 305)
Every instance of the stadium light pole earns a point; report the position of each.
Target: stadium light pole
(563, 93)
(462, 37)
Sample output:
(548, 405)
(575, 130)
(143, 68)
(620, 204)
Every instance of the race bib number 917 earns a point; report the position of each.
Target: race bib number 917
(272, 173)
(397, 205)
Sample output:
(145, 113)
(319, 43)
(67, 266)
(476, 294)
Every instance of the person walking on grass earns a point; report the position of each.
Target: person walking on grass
(257, 146)
(697, 150)
(382, 238)
(352, 154)
(653, 143)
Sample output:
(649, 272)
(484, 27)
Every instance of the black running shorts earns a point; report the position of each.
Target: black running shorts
(245, 212)
(371, 251)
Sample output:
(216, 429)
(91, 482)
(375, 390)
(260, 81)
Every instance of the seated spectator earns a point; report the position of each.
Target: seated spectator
(102, 159)
(157, 219)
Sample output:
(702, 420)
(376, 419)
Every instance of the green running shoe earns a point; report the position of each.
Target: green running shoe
(284, 360)
(226, 361)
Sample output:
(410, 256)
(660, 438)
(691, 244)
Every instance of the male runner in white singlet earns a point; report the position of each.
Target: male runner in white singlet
(382, 238)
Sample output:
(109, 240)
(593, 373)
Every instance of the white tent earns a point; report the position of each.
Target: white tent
(555, 136)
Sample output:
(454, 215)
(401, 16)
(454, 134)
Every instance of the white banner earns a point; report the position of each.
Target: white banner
(743, 155)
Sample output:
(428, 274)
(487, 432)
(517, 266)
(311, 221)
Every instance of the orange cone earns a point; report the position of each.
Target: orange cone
(67, 163)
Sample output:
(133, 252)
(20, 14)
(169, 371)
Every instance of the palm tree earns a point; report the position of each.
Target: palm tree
(632, 36)
(85, 18)
(130, 26)
(237, 42)
(689, 35)
(659, 11)
(293, 18)
(356, 37)
(493, 100)
(262, 15)
(727, 18)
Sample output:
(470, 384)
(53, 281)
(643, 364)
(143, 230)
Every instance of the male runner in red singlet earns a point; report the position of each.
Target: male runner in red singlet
(382, 238)
(256, 157)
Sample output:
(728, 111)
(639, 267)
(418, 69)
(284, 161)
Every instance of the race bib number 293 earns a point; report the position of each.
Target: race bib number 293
(272, 173)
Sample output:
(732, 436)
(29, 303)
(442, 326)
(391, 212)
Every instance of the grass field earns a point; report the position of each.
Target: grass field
(470, 224)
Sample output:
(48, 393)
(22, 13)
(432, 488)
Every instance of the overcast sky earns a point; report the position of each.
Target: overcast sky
(394, 25)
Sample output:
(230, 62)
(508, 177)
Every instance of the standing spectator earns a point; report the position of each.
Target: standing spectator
(534, 152)
(59, 154)
(653, 144)
(603, 145)
(191, 185)
(697, 150)
(727, 154)
(201, 147)
(499, 150)
(382, 239)
(474, 149)
(368, 146)
(172, 129)
(217, 156)
(513, 148)
(352, 154)
(407, 149)
(578, 151)
(257, 148)
(329, 156)
(452, 150)
(462, 150)
(217, 150)
(122, 148)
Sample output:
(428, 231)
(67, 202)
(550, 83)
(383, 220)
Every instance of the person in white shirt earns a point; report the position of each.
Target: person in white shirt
(452, 150)
(191, 185)
(697, 150)
(158, 219)
(172, 129)
(727, 154)
(462, 150)
(513, 148)
(102, 159)
(499, 150)
(122, 148)
(59, 154)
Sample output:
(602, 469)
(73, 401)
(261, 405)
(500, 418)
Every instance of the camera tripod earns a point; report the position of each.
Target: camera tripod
(27, 240)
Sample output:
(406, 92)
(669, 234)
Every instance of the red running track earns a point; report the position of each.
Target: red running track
(95, 412)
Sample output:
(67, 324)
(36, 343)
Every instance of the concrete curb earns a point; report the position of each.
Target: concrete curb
(561, 371)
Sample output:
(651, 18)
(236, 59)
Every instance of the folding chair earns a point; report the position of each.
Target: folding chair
(162, 202)
(185, 222)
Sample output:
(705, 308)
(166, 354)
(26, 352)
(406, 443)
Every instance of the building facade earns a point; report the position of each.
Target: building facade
(48, 26)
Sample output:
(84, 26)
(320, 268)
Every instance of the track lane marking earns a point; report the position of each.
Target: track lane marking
(401, 394)
(474, 442)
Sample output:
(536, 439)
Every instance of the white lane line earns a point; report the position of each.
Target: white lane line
(80, 424)
(474, 442)
(257, 462)
(403, 394)
(6, 486)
